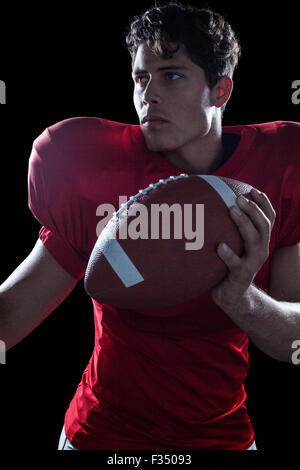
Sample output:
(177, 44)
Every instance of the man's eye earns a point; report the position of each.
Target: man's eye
(171, 75)
(141, 80)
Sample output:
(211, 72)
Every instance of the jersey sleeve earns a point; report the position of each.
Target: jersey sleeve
(54, 202)
(289, 230)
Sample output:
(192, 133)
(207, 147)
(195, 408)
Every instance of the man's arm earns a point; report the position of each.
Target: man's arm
(272, 321)
(36, 287)
(272, 325)
(285, 274)
(279, 313)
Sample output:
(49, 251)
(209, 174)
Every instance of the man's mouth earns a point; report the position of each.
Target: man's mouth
(152, 120)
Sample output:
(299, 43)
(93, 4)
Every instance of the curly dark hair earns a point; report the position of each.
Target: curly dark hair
(209, 40)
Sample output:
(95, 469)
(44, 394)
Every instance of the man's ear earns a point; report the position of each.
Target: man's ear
(221, 92)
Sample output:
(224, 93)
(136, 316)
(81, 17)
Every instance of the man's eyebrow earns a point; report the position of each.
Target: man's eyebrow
(168, 67)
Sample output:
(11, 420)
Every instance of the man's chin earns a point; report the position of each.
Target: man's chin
(157, 146)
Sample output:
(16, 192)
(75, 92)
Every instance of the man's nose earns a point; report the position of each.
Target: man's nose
(151, 94)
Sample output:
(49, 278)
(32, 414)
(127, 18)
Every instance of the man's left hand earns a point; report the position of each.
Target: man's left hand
(255, 224)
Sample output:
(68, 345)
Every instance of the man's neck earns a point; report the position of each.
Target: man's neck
(202, 155)
(198, 159)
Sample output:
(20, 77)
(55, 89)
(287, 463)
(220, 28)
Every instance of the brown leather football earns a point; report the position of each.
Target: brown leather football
(160, 248)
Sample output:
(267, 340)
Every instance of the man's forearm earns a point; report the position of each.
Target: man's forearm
(271, 325)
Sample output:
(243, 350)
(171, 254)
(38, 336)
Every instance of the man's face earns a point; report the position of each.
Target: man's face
(176, 91)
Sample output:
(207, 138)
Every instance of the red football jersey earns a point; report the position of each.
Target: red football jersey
(171, 379)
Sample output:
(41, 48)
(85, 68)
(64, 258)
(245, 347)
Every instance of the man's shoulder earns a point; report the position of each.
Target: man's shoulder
(86, 127)
(283, 137)
(278, 128)
(272, 129)
(267, 128)
(85, 135)
(85, 122)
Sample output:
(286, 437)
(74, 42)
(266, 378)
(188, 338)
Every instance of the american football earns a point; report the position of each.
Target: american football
(160, 248)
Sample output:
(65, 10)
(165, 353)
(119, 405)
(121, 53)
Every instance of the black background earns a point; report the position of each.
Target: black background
(59, 64)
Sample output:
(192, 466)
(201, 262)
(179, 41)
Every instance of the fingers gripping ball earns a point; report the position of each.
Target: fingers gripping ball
(160, 249)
